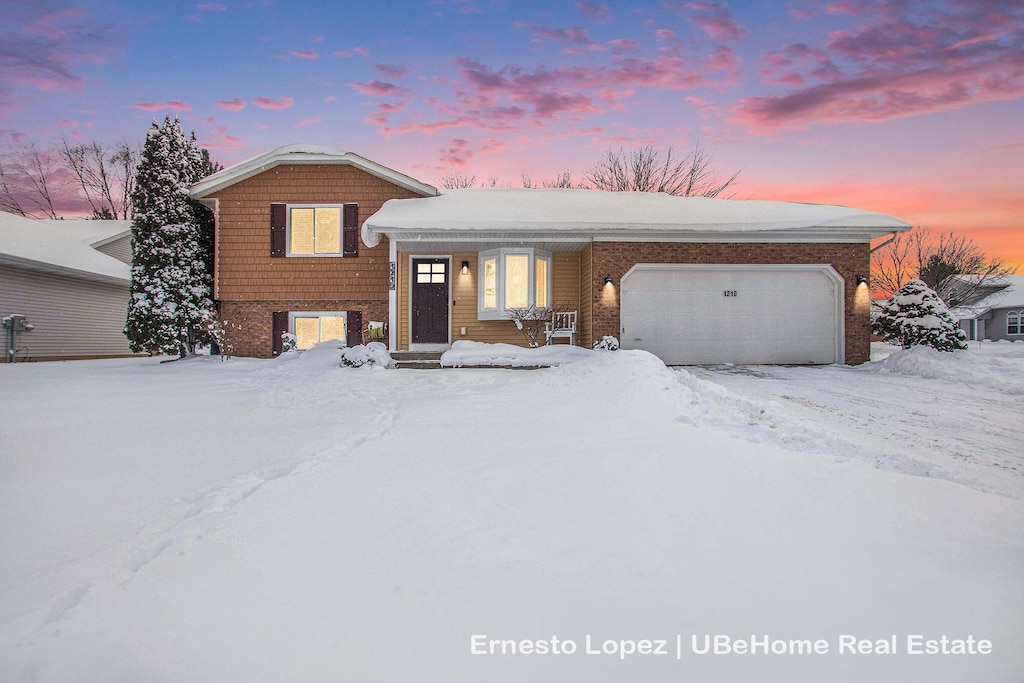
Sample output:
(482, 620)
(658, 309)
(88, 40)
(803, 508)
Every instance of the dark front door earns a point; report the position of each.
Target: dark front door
(430, 301)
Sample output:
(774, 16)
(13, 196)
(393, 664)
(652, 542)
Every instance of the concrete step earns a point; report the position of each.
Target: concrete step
(417, 360)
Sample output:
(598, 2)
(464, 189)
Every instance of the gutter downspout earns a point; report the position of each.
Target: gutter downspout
(874, 249)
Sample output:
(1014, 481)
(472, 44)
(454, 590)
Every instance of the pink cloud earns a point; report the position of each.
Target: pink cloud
(43, 49)
(268, 103)
(715, 19)
(361, 51)
(573, 34)
(231, 105)
(307, 122)
(379, 88)
(341, 53)
(316, 39)
(624, 44)
(305, 54)
(391, 70)
(665, 34)
(221, 140)
(595, 11)
(896, 63)
(457, 153)
(175, 105)
(212, 7)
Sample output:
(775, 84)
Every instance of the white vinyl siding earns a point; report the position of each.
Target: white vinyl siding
(121, 249)
(72, 317)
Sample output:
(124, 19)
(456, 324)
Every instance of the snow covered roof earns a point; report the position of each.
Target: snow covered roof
(1012, 296)
(493, 213)
(64, 247)
(303, 154)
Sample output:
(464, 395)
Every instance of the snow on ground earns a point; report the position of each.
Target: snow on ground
(465, 353)
(955, 416)
(294, 520)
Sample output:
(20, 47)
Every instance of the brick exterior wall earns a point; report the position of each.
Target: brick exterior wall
(255, 318)
(849, 260)
(250, 285)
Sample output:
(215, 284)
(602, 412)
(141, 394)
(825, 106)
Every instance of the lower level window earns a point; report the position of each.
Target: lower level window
(1015, 322)
(312, 328)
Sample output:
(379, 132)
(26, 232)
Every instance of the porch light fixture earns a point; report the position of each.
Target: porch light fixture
(607, 279)
(861, 280)
(465, 267)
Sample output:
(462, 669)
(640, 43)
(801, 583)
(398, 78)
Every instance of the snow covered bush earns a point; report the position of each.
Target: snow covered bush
(531, 320)
(916, 316)
(374, 354)
(288, 342)
(606, 343)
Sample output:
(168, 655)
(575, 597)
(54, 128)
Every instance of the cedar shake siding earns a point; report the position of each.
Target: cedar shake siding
(615, 258)
(251, 284)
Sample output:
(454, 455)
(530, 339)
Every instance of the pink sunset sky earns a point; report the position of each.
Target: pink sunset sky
(905, 107)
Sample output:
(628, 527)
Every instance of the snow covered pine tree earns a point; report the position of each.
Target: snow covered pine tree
(916, 316)
(170, 308)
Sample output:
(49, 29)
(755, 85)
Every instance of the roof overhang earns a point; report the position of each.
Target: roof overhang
(63, 271)
(303, 154)
(583, 216)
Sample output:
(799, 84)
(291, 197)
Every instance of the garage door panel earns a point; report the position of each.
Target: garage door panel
(772, 315)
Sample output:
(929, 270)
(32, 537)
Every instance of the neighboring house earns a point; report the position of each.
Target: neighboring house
(70, 279)
(1000, 315)
(306, 244)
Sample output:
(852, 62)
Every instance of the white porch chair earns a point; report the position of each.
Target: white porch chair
(562, 324)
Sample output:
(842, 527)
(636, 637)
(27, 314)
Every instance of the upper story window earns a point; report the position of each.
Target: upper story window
(1015, 322)
(513, 278)
(314, 230)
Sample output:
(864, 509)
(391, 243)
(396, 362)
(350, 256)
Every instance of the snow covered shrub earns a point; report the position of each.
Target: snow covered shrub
(606, 343)
(223, 333)
(916, 316)
(288, 342)
(531, 321)
(373, 354)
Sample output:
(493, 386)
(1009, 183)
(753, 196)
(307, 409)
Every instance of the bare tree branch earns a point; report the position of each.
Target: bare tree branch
(37, 171)
(457, 181)
(646, 169)
(950, 263)
(9, 191)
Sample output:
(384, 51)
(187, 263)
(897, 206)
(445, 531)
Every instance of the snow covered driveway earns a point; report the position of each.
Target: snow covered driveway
(293, 520)
(951, 416)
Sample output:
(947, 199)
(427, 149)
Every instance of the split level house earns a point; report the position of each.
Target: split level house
(319, 242)
(63, 288)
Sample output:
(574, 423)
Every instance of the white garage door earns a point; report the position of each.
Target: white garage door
(704, 314)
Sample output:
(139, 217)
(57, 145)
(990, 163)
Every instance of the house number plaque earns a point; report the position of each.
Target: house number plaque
(392, 270)
(730, 292)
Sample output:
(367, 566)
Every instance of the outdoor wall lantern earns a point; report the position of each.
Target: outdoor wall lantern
(861, 280)
(607, 279)
(465, 267)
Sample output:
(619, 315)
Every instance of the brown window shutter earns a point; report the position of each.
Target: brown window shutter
(354, 325)
(351, 230)
(280, 327)
(278, 230)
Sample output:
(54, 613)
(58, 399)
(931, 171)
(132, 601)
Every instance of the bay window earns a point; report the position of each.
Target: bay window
(513, 278)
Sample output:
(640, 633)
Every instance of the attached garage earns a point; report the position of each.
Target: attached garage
(698, 314)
